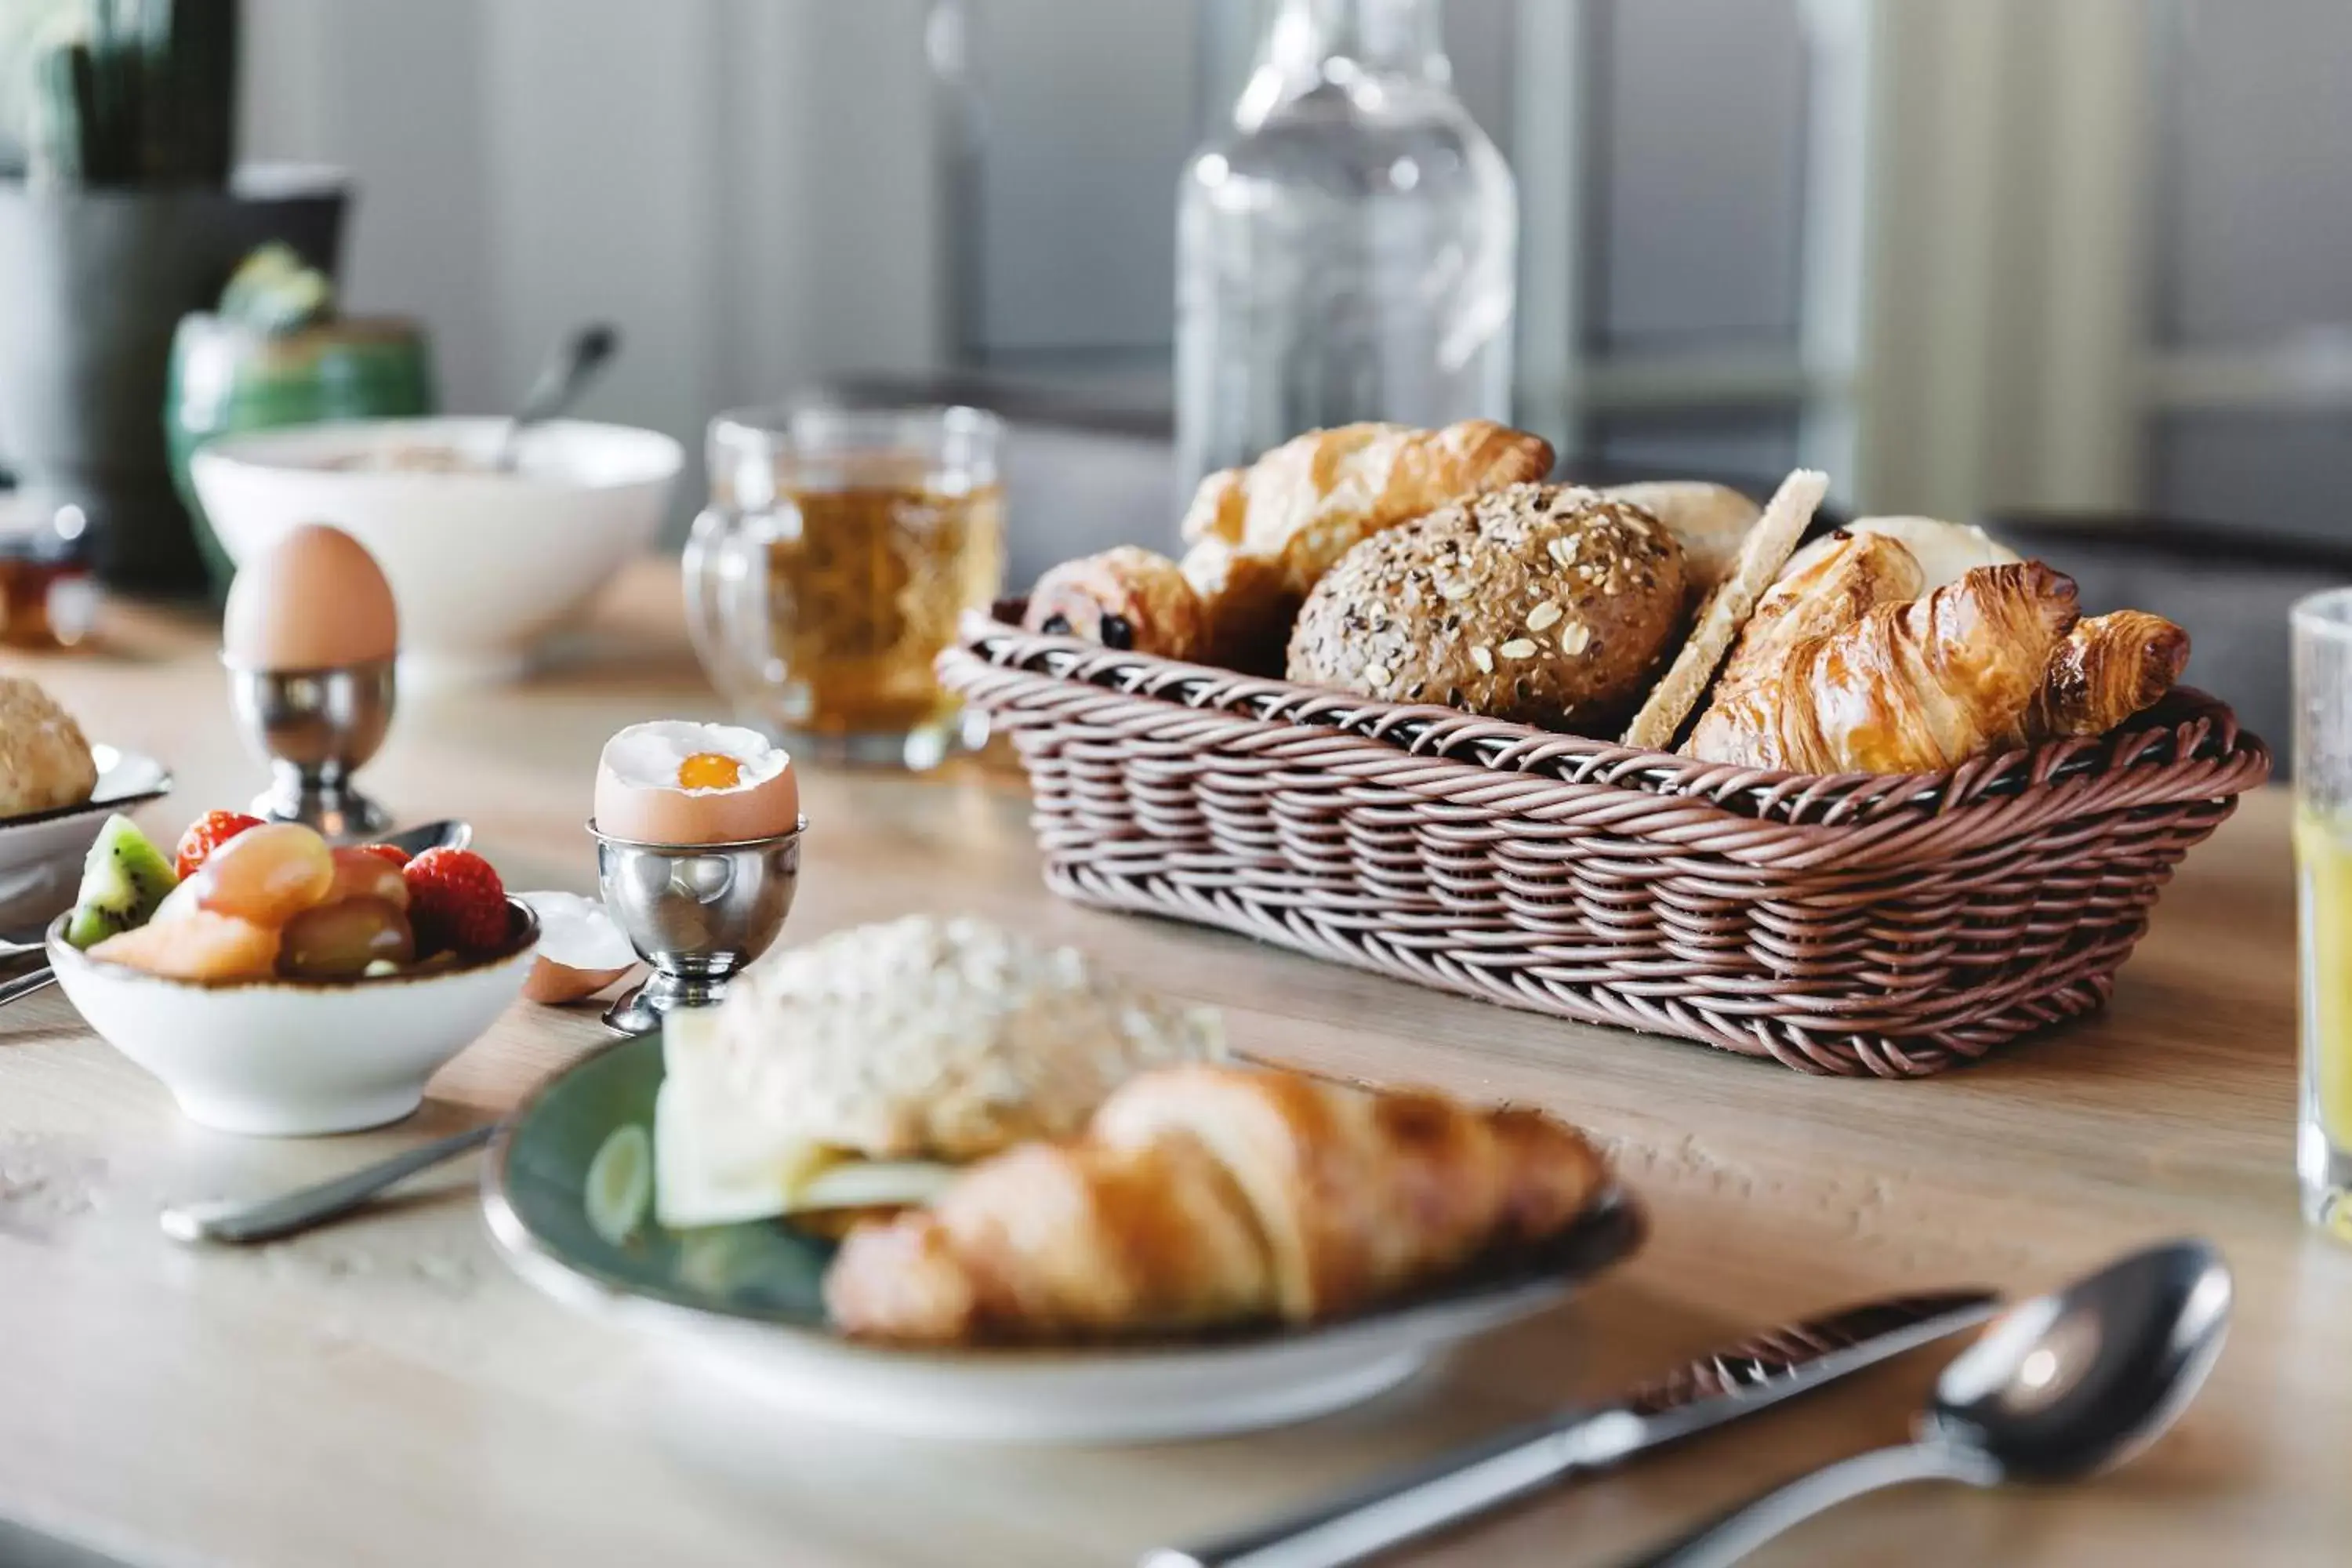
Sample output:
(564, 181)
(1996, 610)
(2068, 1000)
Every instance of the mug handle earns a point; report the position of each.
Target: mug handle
(711, 554)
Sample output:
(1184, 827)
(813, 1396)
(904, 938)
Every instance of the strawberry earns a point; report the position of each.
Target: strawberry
(206, 833)
(391, 853)
(456, 901)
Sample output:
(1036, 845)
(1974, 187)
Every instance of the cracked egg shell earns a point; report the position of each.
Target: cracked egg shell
(675, 782)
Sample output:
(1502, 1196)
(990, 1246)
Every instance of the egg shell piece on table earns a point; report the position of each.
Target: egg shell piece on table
(314, 600)
(581, 949)
(640, 797)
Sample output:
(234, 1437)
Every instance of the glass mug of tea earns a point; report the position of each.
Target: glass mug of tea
(839, 550)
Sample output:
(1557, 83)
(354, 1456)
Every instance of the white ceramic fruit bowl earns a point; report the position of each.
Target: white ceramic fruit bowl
(482, 564)
(288, 1058)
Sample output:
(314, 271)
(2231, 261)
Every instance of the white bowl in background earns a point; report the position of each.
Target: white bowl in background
(288, 1058)
(483, 564)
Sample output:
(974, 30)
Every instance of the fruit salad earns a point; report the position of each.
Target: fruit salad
(242, 899)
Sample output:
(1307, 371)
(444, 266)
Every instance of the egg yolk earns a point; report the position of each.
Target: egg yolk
(710, 770)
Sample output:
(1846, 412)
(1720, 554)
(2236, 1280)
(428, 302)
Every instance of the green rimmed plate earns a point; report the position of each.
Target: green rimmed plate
(748, 1297)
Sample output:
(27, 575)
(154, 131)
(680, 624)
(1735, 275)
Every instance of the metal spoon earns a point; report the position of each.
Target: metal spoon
(450, 833)
(2057, 1388)
(266, 1219)
(561, 380)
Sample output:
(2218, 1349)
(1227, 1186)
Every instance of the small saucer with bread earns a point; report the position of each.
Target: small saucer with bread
(57, 789)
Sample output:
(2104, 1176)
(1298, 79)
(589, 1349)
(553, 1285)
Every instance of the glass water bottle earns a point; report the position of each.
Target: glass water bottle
(1346, 248)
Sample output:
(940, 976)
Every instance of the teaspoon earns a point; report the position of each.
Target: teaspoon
(561, 380)
(267, 1219)
(2058, 1387)
(449, 834)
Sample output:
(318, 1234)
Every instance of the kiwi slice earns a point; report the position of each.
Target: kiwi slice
(122, 882)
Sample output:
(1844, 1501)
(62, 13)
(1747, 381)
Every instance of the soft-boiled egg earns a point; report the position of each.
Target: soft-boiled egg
(314, 600)
(675, 782)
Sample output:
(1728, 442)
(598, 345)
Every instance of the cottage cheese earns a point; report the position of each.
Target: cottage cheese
(932, 1039)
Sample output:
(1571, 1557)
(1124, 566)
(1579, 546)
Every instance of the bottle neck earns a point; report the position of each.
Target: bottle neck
(1346, 44)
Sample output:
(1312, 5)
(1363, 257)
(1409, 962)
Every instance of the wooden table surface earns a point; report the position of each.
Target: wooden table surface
(386, 1392)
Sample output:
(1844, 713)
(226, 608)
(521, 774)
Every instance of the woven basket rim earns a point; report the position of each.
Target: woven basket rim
(2187, 747)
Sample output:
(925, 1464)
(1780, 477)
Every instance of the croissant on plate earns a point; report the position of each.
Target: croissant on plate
(1205, 1196)
(1909, 688)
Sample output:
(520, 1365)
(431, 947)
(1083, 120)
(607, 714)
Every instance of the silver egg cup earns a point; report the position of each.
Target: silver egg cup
(698, 913)
(316, 728)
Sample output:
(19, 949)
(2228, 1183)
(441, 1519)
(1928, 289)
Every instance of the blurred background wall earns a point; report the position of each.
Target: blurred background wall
(1998, 254)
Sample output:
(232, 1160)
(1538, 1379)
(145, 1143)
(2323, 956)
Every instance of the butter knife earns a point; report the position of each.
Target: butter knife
(1753, 1375)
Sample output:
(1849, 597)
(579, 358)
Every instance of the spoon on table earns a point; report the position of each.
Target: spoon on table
(267, 1219)
(448, 834)
(2057, 1388)
(561, 380)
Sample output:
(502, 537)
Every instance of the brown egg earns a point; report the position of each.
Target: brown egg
(314, 600)
(680, 783)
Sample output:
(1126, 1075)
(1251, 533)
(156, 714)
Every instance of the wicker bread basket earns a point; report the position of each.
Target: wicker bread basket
(1853, 924)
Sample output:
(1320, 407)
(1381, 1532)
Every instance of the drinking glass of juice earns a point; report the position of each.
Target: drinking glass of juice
(2322, 857)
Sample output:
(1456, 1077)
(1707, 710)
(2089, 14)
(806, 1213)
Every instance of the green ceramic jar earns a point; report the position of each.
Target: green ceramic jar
(228, 375)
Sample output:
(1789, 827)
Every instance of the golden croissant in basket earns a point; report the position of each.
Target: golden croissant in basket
(1203, 1196)
(1847, 667)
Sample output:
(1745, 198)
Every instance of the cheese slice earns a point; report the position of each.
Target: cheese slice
(872, 1183)
(706, 1172)
(716, 1163)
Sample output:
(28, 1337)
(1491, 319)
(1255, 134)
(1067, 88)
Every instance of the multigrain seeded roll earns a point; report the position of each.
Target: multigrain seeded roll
(1547, 604)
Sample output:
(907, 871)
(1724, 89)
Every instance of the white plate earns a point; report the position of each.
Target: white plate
(41, 854)
(744, 1299)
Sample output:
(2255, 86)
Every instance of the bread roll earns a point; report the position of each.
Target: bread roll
(1547, 604)
(1945, 551)
(45, 762)
(1123, 598)
(1708, 520)
(1261, 537)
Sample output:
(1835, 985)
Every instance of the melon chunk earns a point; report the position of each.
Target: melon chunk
(202, 945)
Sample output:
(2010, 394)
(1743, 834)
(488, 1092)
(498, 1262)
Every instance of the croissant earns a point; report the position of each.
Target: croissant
(1261, 536)
(1827, 587)
(1909, 688)
(1208, 1195)
(2109, 668)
